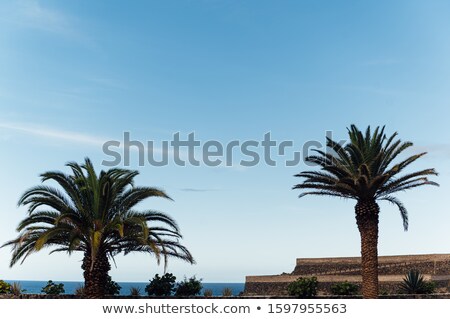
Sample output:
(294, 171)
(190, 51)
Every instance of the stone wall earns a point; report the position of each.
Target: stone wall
(38, 296)
(328, 271)
(431, 296)
(279, 288)
(437, 264)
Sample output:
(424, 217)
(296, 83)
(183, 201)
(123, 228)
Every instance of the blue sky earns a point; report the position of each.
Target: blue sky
(75, 74)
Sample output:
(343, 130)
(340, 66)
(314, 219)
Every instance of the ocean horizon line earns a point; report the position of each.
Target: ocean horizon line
(70, 287)
(119, 281)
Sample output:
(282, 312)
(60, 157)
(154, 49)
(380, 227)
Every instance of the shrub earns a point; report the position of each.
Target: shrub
(208, 293)
(227, 292)
(80, 291)
(344, 289)
(135, 291)
(384, 292)
(16, 288)
(53, 289)
(303, 287)
(189, 287)
(112, 288)
(5, 288)
(161, 286)
(429, 287)
(414, 283)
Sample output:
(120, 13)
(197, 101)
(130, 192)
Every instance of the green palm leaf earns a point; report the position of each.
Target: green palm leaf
(94, 213)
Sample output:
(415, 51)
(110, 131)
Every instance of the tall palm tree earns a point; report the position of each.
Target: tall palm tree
(363, 170)
(95, 214)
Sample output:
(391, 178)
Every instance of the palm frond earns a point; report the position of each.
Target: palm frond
(364, 169)
(94, 212)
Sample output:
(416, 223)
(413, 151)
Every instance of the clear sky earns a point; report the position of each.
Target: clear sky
(74, 74)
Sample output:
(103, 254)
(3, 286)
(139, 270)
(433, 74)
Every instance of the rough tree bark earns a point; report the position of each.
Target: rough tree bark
(95, 276)
(367, 221)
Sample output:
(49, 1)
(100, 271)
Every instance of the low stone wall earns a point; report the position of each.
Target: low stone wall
(435, 264)
(277, 285)
(392, 270)
(391, 296)
(37, 296)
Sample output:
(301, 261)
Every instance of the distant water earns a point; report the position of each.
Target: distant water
(34, 287)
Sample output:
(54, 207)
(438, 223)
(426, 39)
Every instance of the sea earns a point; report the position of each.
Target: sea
(34, 287)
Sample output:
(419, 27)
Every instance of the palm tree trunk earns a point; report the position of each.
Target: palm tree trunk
(367, 221)
(96, 275)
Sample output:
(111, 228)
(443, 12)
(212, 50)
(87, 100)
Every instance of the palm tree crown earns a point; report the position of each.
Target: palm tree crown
(363, 170)
(95, 214)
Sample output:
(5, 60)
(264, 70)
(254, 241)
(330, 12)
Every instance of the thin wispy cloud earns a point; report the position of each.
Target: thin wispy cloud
(373, 90)
(37, 15)
(380, 62)
(433, 150)
(41, 131)
(199, 190)
(235, 167)
(31, 14)
(70, 136)
(107, 82)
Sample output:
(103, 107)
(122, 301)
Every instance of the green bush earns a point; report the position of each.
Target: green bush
(208, 293)
(429, 287)
(80, 290)
(414, 283)
(227, 292)
(112, 287)
(344, 289)
(384, 292)
(16, 288)
(161, 286)
(5, 288)
(135, 291)
(303, 287)
(189, 287)
(53, 289)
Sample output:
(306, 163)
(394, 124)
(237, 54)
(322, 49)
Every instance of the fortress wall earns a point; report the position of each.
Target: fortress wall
(388, 265)
(328, 271)
(381, 259)
(277, 285)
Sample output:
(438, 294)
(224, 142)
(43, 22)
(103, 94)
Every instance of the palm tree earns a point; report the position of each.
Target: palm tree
(95, 214)
(363, 170)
